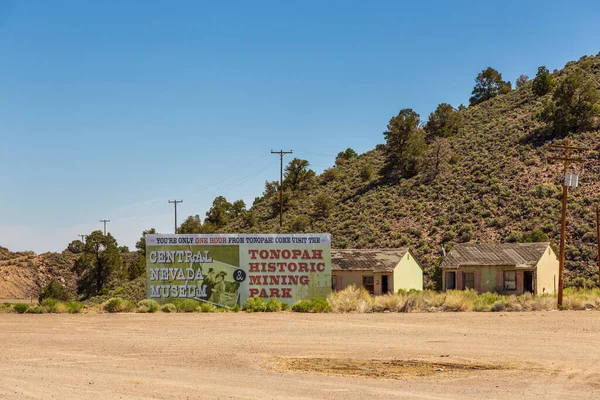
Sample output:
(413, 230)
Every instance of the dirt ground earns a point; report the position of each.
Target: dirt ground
(548, 355)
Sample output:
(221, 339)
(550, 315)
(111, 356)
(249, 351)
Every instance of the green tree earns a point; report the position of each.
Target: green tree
(574, 105)
(405, 144)
(298, 176)
(220, 212)
(238, 208)
(75, 247)
(100, 261)
(124, 249)
(54, 290)
(192, 224)
(140, 245)
(543, 82)
(488, 85)
(345, 155)
(436, 162)
(445, 121)
(521, 81)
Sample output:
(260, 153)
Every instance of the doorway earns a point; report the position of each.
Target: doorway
(450, 280)
(528, 281)
(384, 284)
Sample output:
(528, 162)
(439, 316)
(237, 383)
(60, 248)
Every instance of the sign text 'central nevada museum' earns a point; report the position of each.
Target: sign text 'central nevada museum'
(228, 269)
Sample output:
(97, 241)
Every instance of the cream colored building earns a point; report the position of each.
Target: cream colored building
(377, 270)
(507, 268)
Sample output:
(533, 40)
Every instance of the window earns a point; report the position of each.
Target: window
(510, 280)
(367, 282)
(333, 282)
(469, 280)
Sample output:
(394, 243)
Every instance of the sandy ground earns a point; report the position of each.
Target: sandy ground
(548, 355)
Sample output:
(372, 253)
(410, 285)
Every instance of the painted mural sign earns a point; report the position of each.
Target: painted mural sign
(226, 270)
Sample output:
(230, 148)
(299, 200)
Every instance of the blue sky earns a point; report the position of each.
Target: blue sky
(108, 109)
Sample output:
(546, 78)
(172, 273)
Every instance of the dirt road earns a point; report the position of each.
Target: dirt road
(296, 356)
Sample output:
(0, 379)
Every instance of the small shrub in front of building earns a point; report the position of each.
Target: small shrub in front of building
(255, 304)
(147, 306)
(206, 308)
(118, 305)
(169, 308)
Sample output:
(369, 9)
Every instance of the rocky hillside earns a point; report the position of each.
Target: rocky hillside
(24, 274)
(500, 186)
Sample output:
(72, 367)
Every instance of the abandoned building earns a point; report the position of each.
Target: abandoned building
(508, 268)
(377, 270)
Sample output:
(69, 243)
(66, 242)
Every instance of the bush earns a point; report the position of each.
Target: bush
(302, 306)
(274, 305)
(74, 307)
(36, 310)
(185, 305)
(118, 305)
(54, 290)
(147, 306)
(20, 308)
(319, 305)
(53, 306)
(236, 308)
(351, 299)
(206, 308)
(169, 308)
(366, 172)
(255, 304)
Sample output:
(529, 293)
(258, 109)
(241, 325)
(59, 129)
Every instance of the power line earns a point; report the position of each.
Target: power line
(281, 154)
(174, 202)
(105, 221)
(570, 180)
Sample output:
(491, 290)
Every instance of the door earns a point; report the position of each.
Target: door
(450, 280)
(384, 284)
(528, 281)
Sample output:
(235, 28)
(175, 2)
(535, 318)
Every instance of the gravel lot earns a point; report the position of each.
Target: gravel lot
(300, 356)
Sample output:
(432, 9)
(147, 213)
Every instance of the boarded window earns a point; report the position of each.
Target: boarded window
(510, 280)
(469, 280)
(367, 282)
(333, 282)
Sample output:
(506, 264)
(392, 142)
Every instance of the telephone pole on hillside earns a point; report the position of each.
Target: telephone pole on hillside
(82, 238)
(174, 202)
(105, 221)
(281, 154)
(569, 180)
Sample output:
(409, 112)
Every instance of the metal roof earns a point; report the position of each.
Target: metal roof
(376, 260)
(500, 254)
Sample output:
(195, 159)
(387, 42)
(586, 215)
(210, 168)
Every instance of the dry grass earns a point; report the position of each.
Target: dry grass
(357, 300)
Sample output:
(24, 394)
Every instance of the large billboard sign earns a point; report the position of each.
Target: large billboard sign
(228, 269)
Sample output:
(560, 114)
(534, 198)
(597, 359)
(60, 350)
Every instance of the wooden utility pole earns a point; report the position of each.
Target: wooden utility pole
(82, 238)
(598, 238)
(174, 202)
(566, 161)
(105, 221)
(281, 154)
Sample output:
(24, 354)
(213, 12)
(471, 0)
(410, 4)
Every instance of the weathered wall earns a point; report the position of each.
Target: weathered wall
(408, 274)
(546, 279)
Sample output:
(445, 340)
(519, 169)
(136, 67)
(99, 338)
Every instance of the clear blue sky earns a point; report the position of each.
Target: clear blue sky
(110, 108)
